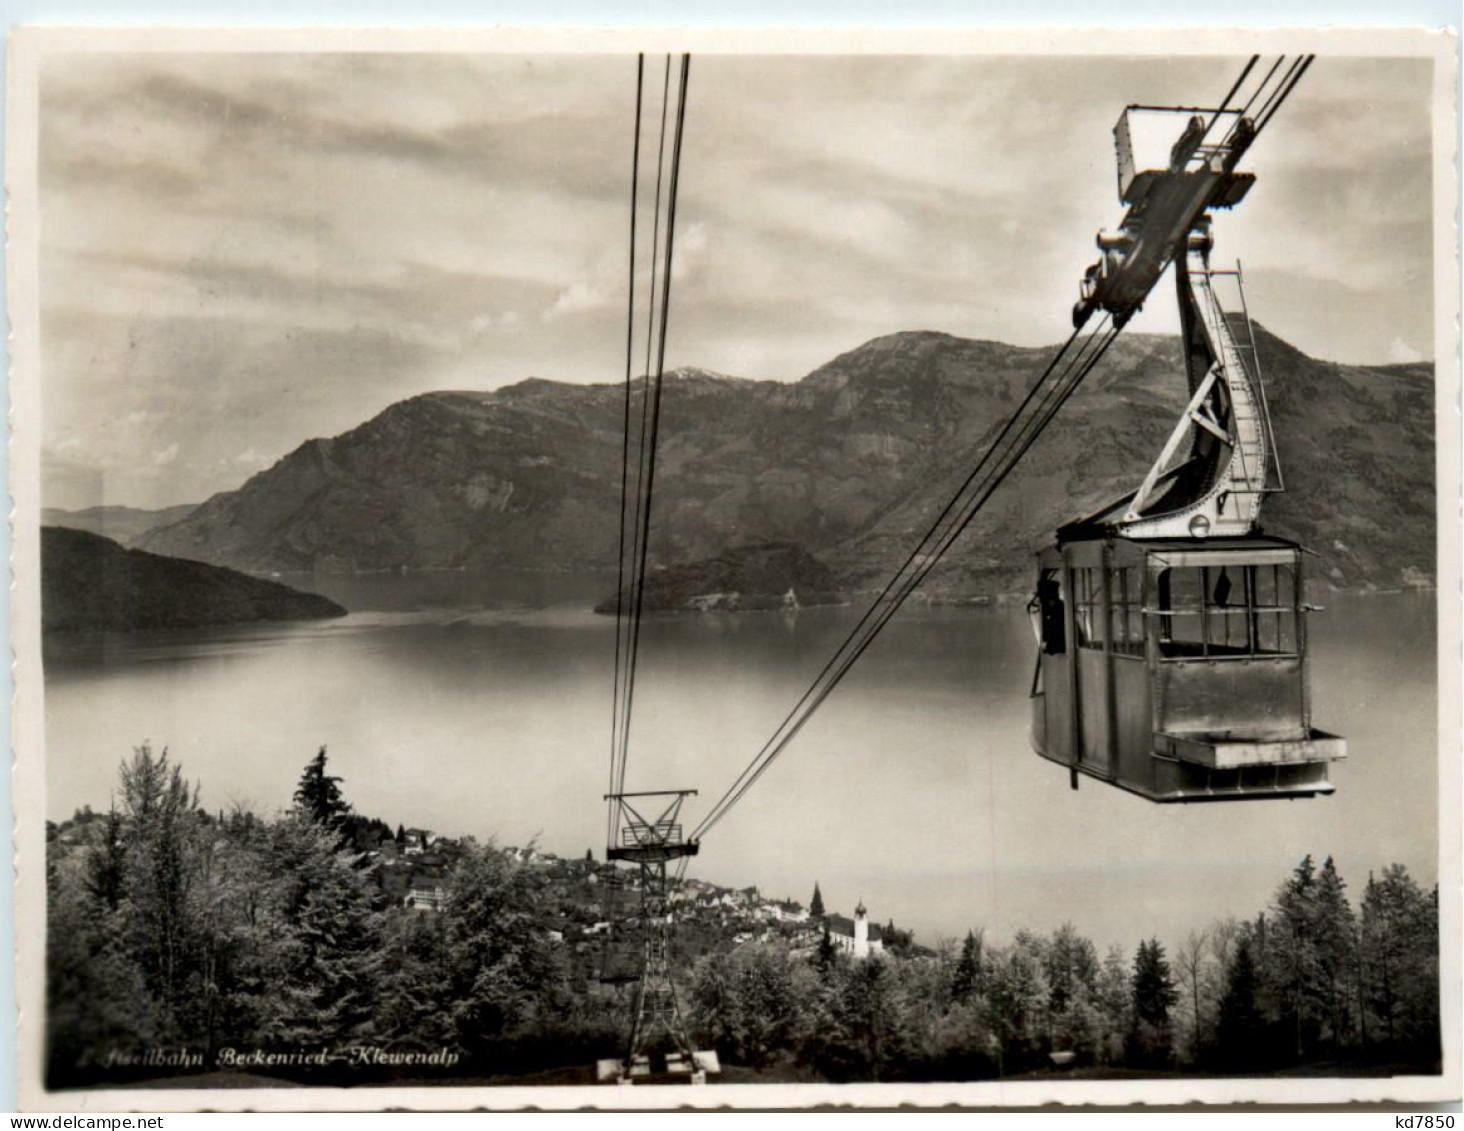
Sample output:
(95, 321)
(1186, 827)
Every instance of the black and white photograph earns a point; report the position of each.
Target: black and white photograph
(644, 570)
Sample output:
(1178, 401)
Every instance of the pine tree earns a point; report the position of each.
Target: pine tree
(318, 796)
(816, 904)
(1154, 992)
(1240, 1025)
(1293, 964)
(827, 953)
(1154, 995)
(1400, 953)
(322, 905)
(106, 863)
(1335, 931)
(966, 981)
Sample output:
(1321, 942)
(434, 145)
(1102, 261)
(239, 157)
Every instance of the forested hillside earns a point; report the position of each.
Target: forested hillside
(235, 948)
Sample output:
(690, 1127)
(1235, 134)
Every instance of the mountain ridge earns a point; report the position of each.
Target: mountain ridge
(90, 583)
(850, 462)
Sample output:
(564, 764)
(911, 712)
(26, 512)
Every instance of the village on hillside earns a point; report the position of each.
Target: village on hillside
(587, 904)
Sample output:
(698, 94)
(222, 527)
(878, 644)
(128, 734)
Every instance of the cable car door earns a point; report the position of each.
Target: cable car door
(1091, 669)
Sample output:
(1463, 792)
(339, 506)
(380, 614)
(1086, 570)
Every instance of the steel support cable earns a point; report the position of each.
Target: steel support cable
(1277, 95)
(1287, 77)
(1225, 102)
(925, 540)
(1285, 94)
(640, 70)
(645, 451)
(1249, 102)
(897, 585)
(882, 610)
(791, 727)
(1051, 404)
(644, 423)
(649, 439)
(1261, 88)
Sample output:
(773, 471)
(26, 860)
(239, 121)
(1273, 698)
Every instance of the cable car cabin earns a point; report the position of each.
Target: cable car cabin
(1172, 633)
(1177, 669)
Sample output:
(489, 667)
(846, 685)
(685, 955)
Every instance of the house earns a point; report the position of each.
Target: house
(786, 911)
(858, 936)
(425, 891)
(416, 841)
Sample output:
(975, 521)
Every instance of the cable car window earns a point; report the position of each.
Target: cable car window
(1088, 607)
(1126, 615)
(1181, 622)
(1227, 619)
(1275, 610)
(1052, 622)
(1223, 611)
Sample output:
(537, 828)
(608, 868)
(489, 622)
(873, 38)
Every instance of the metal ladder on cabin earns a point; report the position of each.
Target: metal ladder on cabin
(1251, 417)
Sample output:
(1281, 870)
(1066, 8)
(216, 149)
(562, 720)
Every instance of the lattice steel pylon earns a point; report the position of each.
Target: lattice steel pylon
(651, 843)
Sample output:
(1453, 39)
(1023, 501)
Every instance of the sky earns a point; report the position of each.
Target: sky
(240, 252)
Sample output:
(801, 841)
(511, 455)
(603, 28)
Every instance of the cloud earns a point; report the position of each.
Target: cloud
(242, 251)
(162, 457)
(601, 286)
(579, 296)
(1401, 352)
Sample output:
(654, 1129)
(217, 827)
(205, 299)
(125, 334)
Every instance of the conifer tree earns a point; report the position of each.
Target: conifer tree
(1294, 956)
(966, 980)
(827, 954)
(1240, 1025)
(323, 906)
(1335, 931)
(1400, 952)
(1154, 994)
(106, 863)
(318, 796)
(816, 904)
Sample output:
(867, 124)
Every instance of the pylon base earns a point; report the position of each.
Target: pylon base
(678, 1069)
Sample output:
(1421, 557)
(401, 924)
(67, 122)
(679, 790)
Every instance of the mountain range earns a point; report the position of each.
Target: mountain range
(124, 525)
(851, 463)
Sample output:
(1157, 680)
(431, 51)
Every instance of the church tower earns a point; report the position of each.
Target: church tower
(861, 931)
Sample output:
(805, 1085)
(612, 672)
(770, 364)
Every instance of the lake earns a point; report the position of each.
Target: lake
(480, 704)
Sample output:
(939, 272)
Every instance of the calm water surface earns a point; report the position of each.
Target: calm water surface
(480, 704)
